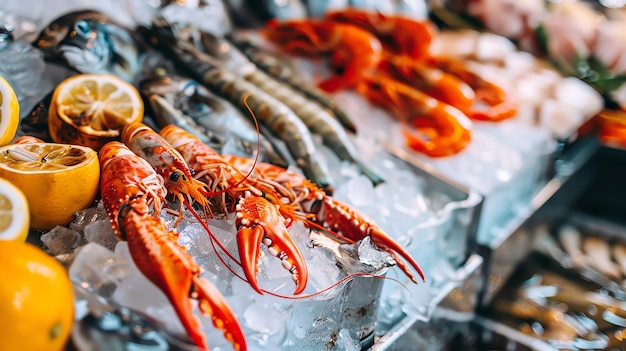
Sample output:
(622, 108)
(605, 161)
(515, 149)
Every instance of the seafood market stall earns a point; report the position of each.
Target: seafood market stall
(260, 175)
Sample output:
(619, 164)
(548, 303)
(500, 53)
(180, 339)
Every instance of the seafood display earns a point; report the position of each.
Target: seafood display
(588, 247)
(275, 115)
(572, 34)
(315, 117)
(546, 98)
(563, 311)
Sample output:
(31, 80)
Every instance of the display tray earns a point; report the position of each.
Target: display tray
(546, 306)
(590, 246)
(578, 235)
(456, 300)
(571, 174)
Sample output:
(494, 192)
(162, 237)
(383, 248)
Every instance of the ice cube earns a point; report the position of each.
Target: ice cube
(371, 255)
(358, 191)
(101, 232)
(87, 216)
(97, 269)
(346, 341)
(61, 240)
(137, 292)
(256, 318)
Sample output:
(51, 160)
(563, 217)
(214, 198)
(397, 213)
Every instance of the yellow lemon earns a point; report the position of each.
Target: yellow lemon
(36, 299)
(91, 109)
(57, 179)
(9, 112)
(14, 217)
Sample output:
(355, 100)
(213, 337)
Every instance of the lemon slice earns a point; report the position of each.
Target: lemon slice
(9, 112)
(14, 218)
(91, 109)
(57, 179)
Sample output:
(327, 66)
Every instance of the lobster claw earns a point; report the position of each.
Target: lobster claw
(352, 225)
(259, 221)
(167, 264)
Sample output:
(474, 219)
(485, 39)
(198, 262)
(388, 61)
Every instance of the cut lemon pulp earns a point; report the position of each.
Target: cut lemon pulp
(14, 218)
(9, 112)
(57, 179)
(91, 109)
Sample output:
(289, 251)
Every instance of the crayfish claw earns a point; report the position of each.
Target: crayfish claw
(383, 240)
(169, 266)
(354, 226)
(249, 252)
(212, 303)
(259, 222)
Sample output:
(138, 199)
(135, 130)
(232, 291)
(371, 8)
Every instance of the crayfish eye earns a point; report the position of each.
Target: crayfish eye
(174, 176)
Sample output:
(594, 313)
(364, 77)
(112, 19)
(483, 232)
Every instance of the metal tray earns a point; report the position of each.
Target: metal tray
(514, 242)
(456, 300)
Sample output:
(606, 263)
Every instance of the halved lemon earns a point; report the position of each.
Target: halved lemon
(91, 109)
(9, 112)
(14, 217)
(57, 179)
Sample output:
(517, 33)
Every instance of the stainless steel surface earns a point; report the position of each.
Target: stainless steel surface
(503, 254)
(514, 339)
(458, 298)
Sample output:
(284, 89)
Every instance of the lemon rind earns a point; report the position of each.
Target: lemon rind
(20, 207)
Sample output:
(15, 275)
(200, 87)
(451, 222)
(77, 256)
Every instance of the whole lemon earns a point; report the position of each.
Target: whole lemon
(36, 299)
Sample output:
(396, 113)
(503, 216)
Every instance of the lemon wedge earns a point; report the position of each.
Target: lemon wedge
(9, 112)
(14, 217)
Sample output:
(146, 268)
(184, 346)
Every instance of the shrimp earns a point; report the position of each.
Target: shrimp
(440, 129)
(353, 51)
